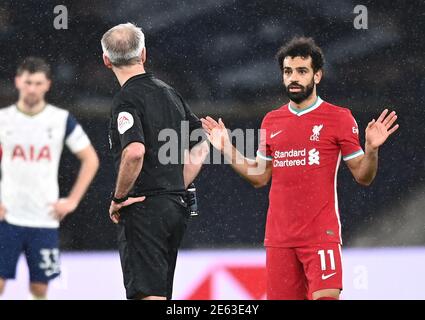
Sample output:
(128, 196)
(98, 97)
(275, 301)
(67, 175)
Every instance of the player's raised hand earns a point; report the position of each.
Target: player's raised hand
(114, 208)
(63, 207)
(216, 132)
(378, 131)
(2, 212)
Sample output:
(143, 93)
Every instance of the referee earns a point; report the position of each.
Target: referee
(148, 201)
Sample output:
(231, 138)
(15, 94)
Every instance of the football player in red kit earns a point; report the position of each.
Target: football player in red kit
(301, 146)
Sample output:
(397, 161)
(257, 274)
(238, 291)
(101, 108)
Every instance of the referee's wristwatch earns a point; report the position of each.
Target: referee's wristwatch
(119, 200)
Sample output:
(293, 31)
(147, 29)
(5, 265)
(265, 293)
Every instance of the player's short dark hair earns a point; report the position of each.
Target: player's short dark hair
(302, 47)
(33, 65)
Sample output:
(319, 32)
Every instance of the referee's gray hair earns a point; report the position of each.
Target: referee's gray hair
(123, 44)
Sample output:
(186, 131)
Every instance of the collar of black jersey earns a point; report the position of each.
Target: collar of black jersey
(137, 76)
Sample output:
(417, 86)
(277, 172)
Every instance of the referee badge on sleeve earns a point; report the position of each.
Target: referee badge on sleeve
(125, 121)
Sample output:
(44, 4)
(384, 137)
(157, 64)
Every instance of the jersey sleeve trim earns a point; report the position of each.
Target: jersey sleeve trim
(71, 123)
(262, 156)
(353, 155)
(77, 140)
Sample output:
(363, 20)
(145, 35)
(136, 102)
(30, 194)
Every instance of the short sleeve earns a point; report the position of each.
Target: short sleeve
(349, 137)
(127, 123)
(264, 151)
(75, 137)
(196, 131)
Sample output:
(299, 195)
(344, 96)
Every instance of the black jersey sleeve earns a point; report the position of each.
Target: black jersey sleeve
(127, 123)
(196, 131)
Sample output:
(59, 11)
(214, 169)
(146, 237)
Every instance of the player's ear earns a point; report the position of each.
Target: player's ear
(49, 84)
(107, 61)
(318, 76)
(18, 81)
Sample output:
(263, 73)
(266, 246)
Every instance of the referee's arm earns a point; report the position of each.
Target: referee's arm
(132, 141)
(198, 149)
(193, 162)
(131, 165)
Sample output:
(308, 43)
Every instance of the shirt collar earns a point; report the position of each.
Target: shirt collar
(137, 76)
(310, 108)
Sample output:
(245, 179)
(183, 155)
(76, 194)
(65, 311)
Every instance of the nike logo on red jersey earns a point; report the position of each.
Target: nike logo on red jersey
(274, 134)
(328, 276)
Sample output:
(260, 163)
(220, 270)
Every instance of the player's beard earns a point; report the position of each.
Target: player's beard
(31, 101)
(303, 94)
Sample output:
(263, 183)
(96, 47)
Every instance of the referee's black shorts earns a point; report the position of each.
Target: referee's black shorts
(149, 235)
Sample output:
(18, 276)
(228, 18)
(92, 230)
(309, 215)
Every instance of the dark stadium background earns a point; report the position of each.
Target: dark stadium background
(220, 55)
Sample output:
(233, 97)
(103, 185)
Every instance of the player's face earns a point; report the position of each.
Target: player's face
(299, 78)
(32, 87)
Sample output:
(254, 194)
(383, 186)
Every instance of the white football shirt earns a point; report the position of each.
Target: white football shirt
(32, 147)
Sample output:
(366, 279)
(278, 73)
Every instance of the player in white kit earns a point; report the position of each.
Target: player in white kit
(32, 136)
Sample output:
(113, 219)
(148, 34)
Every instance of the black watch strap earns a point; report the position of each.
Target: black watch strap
(119, 200)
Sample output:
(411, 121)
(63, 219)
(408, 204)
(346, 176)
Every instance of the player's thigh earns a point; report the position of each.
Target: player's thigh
(323, 266)
(11, 246)
(42, 254)
(285, 275)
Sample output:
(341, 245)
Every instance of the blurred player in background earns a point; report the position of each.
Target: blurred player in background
(32, 135)
(301, 146)
(148, 201)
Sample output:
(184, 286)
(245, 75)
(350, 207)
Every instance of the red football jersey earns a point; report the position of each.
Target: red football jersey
(306, 148)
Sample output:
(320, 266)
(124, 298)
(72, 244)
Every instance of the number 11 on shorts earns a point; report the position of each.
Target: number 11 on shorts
(322, 255)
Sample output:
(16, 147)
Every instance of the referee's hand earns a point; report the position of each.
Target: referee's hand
(114, 209)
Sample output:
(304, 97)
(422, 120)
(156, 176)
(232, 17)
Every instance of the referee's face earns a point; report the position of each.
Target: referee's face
(32, 87)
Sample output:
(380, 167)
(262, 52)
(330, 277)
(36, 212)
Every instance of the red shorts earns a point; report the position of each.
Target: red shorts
(295, 273)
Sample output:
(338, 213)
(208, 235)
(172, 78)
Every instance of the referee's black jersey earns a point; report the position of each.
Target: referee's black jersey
(141, 109)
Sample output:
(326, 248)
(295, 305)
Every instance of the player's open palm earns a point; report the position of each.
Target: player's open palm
(378, 131)
(216, 132)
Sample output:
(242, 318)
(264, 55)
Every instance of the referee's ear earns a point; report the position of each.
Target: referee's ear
(143, 57)
(107, 62)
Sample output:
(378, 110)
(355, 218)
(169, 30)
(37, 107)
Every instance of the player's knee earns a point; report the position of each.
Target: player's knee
(326, 294)
(38, 291)
(2, 285)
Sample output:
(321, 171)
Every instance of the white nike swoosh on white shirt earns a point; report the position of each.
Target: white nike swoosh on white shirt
(328, 276)
(274, 134)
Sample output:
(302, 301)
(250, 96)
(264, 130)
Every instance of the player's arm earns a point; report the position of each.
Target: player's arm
(364, 167)
(257, 172)
(88, 168)
(79, 144)
(2, 208)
